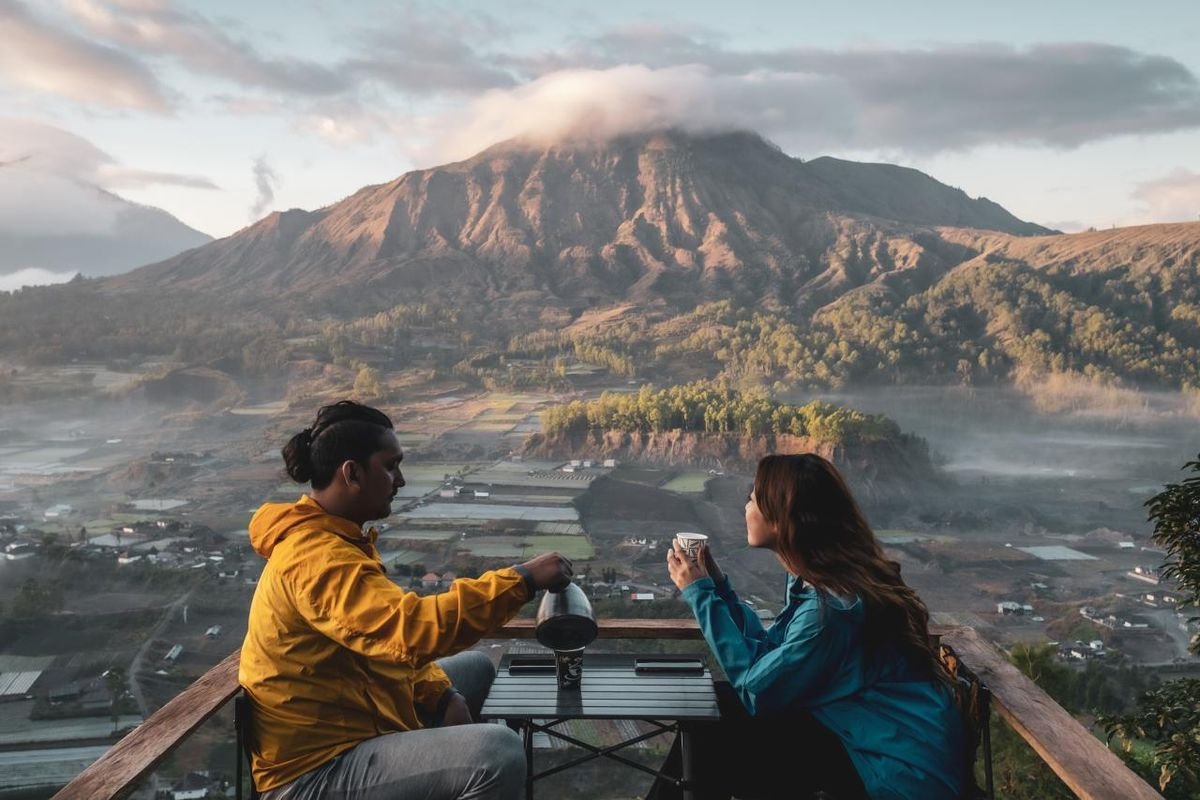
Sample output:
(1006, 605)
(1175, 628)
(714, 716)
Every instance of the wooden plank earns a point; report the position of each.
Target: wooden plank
(119, 771)
(1085, 765)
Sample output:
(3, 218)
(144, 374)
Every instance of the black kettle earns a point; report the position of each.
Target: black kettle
(565, 620)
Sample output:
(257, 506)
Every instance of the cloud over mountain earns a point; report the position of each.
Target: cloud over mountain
(1172, 198)
(406, 75)
(921, 101)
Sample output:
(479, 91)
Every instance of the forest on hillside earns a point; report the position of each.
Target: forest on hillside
(984, 323)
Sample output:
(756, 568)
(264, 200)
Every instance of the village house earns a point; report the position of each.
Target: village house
(1147, 574)
(1009, 607)
(56, 511)
(195, 785)
(18, 550)
(1081, 651)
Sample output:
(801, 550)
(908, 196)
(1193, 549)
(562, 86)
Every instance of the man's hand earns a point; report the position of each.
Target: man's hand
(457, 712)
(683, 570)
(550, 571)
(710, 564)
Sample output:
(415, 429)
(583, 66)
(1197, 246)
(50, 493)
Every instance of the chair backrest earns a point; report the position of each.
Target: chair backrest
(242, 726)
(975, 705)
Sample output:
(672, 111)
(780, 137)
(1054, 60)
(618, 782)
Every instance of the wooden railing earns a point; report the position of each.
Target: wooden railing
(1084, 764)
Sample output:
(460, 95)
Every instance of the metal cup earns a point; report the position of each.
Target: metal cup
(565, 620)
(690, 542)
(568, 666)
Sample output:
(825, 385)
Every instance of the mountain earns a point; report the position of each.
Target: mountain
(663, 217)
(98, 234)
(666, 256)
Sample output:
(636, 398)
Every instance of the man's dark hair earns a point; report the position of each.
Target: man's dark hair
(344, 431)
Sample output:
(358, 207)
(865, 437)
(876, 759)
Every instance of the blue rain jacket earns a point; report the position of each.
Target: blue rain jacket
(899, 726)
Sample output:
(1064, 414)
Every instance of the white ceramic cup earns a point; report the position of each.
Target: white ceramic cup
(690, 542)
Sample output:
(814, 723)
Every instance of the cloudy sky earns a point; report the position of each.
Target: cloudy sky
(1069, 113)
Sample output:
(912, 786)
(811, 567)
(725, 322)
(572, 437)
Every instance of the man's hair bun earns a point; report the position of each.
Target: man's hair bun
(297, 456)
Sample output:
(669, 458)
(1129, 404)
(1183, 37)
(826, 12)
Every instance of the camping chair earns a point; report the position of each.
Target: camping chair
(241, 724)
(975, 704)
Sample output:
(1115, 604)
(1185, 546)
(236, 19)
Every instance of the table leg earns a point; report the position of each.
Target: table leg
(686, 766)
(528, 736)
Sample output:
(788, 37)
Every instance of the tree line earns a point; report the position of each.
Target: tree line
(716, 408)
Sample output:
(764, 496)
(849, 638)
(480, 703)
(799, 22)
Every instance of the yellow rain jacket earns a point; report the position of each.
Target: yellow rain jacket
(336, 653)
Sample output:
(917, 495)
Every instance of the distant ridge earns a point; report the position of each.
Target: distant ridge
(138, 235)
(663, 217)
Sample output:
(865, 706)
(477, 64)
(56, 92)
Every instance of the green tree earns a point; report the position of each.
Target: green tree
(1169, 717)
(1175, 512)
(367, 384)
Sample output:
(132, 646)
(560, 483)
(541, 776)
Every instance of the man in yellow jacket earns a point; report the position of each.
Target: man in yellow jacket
(354, 685)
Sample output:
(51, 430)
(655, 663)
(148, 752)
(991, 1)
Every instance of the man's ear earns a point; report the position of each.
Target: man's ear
(351, 473)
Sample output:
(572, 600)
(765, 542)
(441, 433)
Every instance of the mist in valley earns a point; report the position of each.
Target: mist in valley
(1081, 464)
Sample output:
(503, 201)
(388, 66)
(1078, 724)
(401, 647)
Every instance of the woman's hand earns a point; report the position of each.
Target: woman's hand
(683, 570)
(710, 564)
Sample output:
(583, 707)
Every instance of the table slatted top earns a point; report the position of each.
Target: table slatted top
(611, 689)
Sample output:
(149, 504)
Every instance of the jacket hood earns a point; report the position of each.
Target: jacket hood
(273, 522)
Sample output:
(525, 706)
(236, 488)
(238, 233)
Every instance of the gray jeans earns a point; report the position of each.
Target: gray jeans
(461, 762)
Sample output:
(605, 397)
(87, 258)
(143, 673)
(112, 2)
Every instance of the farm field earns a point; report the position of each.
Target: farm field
(647, 475)
(687, 482)
(561, 528)
(262, 409)
(492, 511)
(419, 534)
(423, 477)
(525, 547)
(898, 536)
(532, 499)
(406, 557)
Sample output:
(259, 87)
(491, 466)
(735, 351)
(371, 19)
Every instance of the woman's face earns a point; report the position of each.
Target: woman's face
(759, 532)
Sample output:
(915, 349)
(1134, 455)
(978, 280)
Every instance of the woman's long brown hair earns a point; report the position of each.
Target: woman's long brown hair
(825, 539)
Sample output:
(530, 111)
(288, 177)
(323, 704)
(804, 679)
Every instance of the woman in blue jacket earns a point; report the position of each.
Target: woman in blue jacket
(843, 692)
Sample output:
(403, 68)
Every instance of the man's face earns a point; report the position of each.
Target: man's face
(382, 478)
